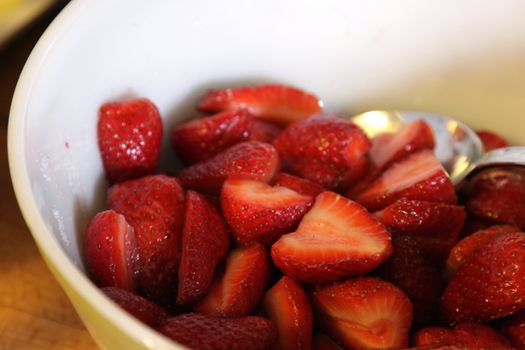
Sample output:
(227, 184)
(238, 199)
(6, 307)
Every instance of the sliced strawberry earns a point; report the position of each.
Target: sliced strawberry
(129, 138)
(336, 239)
(278, 104)
(498, 194)
(390, 148)
(325, 149)
(256, 211)
(205, 242)
(203, 332)
(154, 206)
(236, 292)
(300, 185)
(362, 183)
(251, 159)
(489, 285)
(200, 139)
(323, 342)
(435, 226)
(364, 313)
(143, 309)
(470, 245)
(264, 131)
(110, 250)
(289, 309)
(513, 328)
(420, 177)
(491, 140)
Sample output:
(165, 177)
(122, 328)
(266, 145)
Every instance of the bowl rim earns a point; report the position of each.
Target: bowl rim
(60, 265)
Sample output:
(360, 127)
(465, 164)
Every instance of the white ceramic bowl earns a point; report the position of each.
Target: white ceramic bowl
(462, 58)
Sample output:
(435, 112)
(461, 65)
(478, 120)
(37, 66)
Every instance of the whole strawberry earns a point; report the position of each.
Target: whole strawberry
(129, 138)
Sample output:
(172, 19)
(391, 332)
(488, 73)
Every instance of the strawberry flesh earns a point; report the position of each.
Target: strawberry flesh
(300, 185)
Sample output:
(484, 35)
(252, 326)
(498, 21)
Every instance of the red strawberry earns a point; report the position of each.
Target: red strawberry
(323, 342)
(129, 138)
(469, 245)
(475, 224)
(325, 149)
(390, 148)
(154, 206)
(200, 139)
(143, 309)
(420, 177)
(364, 313)
(205, 242)
(264, 131)
(491, 140)
(499, 195)
(278, 104)
(203, 332)
(110, 251)
(336, 239)
(489, 285)
(300, 185)
(435, 226)
(490, 338)
(236, 292)
(256, 211)
(252, 159)
(289, 309)
(513, 327)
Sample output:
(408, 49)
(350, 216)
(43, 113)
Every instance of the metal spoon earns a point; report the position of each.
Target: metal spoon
(458, 147)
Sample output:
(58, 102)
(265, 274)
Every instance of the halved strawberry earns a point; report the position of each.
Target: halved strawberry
(200, 139)
(154, 206)
(298, 184)
(141, 308)
(129, 138)
(242, 285)
(323, 342)
(288, 308)
(336, 239)
(390, 148)
(489, 285)
(491, 140)
(205, 242)
(110, 250)
(364, 313)
(251, 159)
(264, 131)
(256, 211)
(470, 245)
(278, 104)
(325, 149)
(419, 176)
(513, 328)
(203, 332)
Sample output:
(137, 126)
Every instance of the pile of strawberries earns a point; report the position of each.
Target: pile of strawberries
(291, 229)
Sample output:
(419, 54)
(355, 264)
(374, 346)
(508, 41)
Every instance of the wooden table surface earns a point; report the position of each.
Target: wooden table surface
(34, 311)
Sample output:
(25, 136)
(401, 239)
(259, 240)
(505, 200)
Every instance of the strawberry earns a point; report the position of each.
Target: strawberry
(278, 104)
(499, 195)
(435, 226)
(290, 311)
(264, 131)
(200, 139)
(325, 149)
(470, 245)
(154, 206)
(300, 185)
(491, 140)
(475, 224)
(242, 285)
(490, 284)
(390, 148)
(323, 342)
(143, 309)
(336, 239)
(513, 328)
(251, 159)
(129, 138)
(256, 211)
(419, 176)
(110, 250)
(203, 332)
(363, 313)
(205, 242)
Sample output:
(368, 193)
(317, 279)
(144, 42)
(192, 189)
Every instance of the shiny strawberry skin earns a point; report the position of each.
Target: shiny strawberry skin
(327, 150)
(205, 243)
(298, 184)
(491, 140)
(129, 138)
(263, 131)
(251, 159)
(274, 103)
(513, 328)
